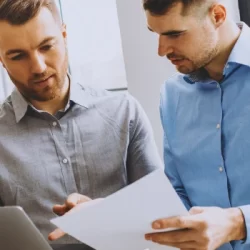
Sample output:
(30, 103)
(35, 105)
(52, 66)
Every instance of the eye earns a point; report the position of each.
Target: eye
(46, 47)
(18, 57)
(175, 36)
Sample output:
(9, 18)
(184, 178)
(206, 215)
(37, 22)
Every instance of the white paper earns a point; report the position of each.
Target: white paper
(120, 221)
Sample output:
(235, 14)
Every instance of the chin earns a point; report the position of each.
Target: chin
(185, 70)
(45, 97)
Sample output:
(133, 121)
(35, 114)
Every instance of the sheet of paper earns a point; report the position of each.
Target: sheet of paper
(120, 221)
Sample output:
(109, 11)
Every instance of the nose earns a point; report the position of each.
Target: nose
(164, 47)
(38, 65)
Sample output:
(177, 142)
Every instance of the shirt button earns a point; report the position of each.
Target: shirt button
(65, 161)
(54, 124)
(218, 126)
(221, 169)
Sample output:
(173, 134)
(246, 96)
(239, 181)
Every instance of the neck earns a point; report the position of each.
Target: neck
(56, 104)
(229, 35)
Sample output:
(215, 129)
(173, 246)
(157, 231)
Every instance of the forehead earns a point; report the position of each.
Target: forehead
(172, 20)
(29, 34)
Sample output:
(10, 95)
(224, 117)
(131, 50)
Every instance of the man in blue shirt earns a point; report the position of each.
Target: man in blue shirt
(205, 114)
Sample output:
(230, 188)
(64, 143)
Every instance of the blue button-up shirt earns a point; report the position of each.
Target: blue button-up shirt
(207, 136)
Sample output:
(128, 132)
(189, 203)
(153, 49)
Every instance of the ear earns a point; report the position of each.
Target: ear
(64, 31)
(218, 14)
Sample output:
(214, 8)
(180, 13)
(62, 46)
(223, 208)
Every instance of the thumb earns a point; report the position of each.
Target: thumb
(196, 210)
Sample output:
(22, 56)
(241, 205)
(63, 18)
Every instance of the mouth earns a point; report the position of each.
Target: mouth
(177, 61)
(44, 82)
(45, 79)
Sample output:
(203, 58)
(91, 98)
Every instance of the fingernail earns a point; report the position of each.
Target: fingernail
(156, 225)
(148, 237)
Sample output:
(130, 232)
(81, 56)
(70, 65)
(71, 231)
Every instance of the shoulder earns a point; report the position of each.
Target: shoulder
(173, 85)
(111, 102)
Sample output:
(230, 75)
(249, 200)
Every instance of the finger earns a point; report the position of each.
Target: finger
(180, 222)
(60, 209)
(177, 236)
(187, 245)
(196, 210)
(75, 199)
(56, 234)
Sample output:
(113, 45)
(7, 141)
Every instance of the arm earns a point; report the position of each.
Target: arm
(143, 156)
(173, 176)
(170, 168)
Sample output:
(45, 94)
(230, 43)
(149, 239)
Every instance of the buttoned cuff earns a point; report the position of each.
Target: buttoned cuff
(246, 213)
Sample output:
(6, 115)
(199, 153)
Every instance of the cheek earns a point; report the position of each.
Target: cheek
(56, 59)
(18, 70)
(184, 46)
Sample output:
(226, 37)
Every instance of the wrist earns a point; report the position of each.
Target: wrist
(238, 227)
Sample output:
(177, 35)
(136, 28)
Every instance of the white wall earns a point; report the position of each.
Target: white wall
(146, 72)
(94, 43)
(6, 85)
(233, 7)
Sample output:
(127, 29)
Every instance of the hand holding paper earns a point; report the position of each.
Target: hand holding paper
(121, 220)
(71, 204)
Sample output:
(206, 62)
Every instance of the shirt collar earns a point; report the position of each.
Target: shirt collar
(20, 105)
(77, 95)
(241, 50)
(239, 55)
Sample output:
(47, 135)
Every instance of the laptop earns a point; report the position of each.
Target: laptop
(17, 231)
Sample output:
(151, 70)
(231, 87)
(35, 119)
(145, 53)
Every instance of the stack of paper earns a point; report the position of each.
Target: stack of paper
(120, 221)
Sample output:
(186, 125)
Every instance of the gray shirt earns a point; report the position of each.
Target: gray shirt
(99, 144)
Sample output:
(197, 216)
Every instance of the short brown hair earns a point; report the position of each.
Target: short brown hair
(18, 12)
(161, 7)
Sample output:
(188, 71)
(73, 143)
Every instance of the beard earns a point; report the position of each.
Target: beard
(193, 65)
(206, 50)
(30, 91)
(208, 57)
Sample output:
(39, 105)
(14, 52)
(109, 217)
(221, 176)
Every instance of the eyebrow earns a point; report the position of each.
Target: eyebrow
(16, 51)
(171, 32)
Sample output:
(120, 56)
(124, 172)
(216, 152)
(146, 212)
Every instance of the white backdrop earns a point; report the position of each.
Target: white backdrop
(94, 42)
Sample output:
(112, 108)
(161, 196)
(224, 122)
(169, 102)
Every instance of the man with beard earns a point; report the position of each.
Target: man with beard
(205, 116)
(57, 137)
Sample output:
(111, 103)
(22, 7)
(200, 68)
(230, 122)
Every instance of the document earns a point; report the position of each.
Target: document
(120, 221)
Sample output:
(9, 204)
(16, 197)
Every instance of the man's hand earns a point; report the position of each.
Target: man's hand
(72, 201)
(205, 228)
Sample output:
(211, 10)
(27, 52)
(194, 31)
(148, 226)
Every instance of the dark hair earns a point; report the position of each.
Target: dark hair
(18, 12)
(161, 7)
